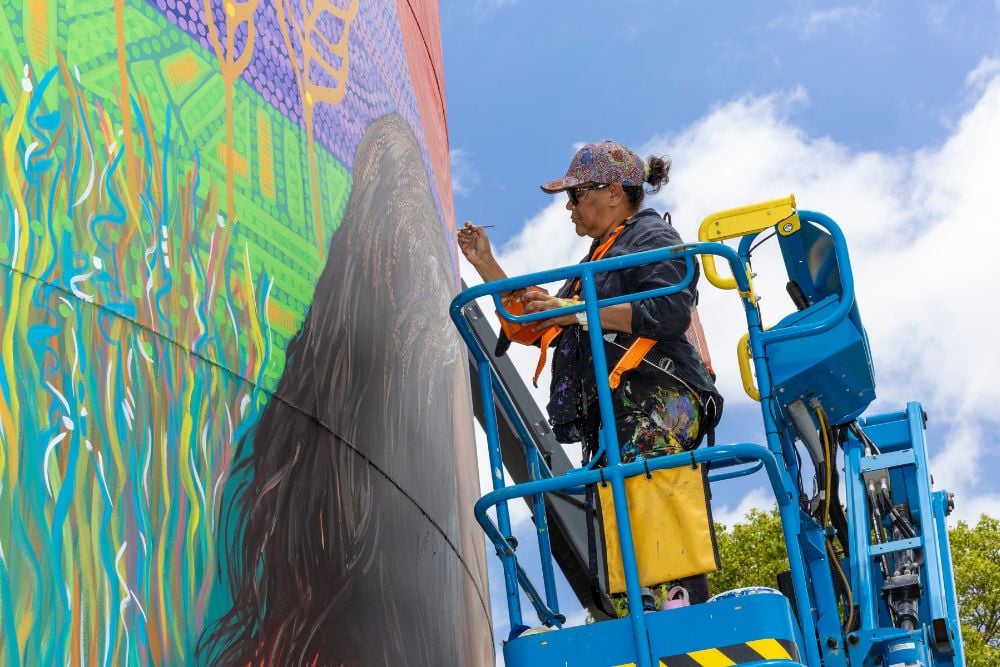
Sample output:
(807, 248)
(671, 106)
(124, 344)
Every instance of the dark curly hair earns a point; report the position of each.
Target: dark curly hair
(657, 175)
(342, 541)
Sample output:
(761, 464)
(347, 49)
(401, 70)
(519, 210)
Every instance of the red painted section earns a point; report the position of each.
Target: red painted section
(420, 24)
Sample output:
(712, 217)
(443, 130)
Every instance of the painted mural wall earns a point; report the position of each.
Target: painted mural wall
(234, 418)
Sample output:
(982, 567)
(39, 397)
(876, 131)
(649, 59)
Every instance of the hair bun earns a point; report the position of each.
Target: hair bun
(657, 172)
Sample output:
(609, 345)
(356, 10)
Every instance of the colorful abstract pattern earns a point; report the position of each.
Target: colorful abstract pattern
(172, 175)
(601, 162)
(656, 420)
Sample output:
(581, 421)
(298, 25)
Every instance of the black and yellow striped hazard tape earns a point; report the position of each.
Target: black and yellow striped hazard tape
(736, 654)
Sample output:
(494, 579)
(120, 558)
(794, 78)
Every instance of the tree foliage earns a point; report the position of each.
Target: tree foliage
(976, 554)
(753, 553)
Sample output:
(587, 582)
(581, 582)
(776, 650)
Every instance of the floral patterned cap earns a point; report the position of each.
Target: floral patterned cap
(602, 162)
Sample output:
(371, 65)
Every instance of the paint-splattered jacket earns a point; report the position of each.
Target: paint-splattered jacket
(573, 397)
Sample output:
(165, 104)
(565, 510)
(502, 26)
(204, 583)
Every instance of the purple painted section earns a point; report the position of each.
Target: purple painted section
(378, 81)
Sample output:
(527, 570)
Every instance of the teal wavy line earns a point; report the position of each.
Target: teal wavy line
(4, 380)
(74, 173)
(107, 559)
(8, 638)
(54, 595)
(46, 273)
(23, 542)
(65, 498)
(141, 555)
(115, 203)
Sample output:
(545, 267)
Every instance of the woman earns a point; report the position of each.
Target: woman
(669, 400)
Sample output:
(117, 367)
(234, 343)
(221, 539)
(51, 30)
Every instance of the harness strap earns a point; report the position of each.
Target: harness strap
(600, 251)
(545, 341)
(636, 352)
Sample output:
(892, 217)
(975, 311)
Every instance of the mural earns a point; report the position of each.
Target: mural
(234, 426)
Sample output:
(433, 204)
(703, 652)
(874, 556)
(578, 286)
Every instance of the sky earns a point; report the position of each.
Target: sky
(884, 116)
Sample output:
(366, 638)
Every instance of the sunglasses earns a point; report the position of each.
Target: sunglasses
(577, 194)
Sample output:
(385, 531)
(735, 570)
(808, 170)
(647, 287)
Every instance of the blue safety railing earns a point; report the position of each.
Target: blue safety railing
(777, 459)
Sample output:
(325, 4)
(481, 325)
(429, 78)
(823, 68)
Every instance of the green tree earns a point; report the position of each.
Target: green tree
(753, 553)
(976, 554)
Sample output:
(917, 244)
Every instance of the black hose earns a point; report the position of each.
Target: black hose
(876, 517)
(837, 515)
(898, 519)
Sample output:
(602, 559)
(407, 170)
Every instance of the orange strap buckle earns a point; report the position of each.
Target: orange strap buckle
(636, 352)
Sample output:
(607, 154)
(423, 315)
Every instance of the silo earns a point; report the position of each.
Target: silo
(234, 418)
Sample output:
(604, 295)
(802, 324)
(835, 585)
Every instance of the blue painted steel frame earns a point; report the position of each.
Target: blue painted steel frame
(615, 472)
(673, 635)
(778, 459)
(904, 455)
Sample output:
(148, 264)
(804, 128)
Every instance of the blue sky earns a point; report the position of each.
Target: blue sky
(885, 116)
(525, 80)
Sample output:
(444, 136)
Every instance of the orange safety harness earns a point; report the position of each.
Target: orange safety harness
(632, 357)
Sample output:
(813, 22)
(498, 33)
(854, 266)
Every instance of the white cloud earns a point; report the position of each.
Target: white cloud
(758, 498)
(955, 464)
(923, 232)
(969, 509)
(748, 151)
(517, 510)
(922, 229)
(847, 16)
(958, 467)
(850, 17)
(486, 7)
(984, 72)
(464, 177)
(546, 241)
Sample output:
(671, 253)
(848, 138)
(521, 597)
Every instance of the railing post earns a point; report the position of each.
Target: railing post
(496, 472)
(542, 532)
(614, 472)
(782, 480)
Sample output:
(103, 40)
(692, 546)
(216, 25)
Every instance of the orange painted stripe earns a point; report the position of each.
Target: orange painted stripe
(182, 71)
(265, 154)
(239, 162)
(38, 34)
(75, 621)
(281, 316)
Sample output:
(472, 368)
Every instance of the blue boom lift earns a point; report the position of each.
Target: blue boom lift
(886, 598)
